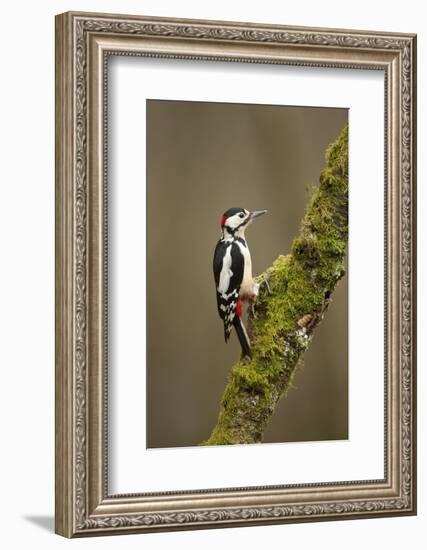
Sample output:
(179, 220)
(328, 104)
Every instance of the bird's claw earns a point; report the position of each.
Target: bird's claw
(254, 315)
(264, 282)
(257, 287)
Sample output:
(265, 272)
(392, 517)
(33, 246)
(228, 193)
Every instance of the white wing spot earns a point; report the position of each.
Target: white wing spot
(226, 273)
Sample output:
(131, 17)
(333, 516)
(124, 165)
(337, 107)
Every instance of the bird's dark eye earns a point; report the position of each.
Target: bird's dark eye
(241, 215)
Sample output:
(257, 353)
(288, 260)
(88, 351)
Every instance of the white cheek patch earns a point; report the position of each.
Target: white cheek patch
(235, 221)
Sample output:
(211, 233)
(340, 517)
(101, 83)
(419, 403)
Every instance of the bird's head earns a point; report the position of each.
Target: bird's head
(235, 220)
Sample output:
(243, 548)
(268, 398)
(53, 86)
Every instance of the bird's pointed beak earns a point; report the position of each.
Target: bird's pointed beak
(257, 213)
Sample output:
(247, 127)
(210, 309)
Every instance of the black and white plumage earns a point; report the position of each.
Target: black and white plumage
(232, 268)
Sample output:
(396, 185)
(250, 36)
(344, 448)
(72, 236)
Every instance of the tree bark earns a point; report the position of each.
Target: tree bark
(289, 307)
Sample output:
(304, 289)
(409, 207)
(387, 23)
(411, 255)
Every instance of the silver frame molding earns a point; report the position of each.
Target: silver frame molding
(83, 43)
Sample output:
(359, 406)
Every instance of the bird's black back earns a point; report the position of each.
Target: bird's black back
(227, 300)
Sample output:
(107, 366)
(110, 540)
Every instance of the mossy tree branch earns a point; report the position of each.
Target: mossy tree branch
(286, 314)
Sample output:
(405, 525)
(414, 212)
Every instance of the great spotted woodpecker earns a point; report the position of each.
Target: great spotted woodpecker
(232, 268)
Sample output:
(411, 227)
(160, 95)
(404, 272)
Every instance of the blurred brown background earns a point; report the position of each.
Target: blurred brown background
(204, 158)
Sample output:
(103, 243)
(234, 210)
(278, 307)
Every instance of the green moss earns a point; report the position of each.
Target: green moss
(300, 284)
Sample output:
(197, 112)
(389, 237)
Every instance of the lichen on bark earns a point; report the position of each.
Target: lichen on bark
(289, 307)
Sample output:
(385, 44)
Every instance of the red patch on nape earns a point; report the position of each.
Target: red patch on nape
(239, 309)
(223, 220)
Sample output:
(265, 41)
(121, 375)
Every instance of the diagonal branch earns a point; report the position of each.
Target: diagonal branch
(288, 310)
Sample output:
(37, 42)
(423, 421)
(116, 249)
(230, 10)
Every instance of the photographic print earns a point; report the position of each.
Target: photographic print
(247, 298)
(235, 308)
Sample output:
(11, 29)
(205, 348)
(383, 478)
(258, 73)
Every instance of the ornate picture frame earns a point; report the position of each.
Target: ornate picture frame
(83, 43)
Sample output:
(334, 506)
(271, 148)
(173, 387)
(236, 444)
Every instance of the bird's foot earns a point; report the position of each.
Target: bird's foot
(254, 315)
(264, 282)
(257, 287)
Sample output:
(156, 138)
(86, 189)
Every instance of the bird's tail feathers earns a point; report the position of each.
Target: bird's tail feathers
(243, 336)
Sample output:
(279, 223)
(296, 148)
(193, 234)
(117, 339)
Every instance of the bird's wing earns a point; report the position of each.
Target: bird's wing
(228, 271)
